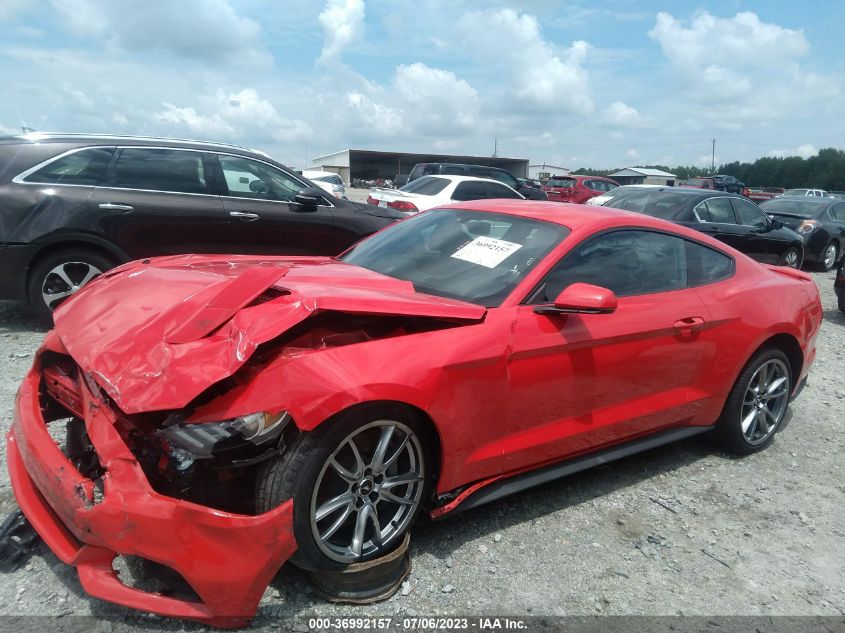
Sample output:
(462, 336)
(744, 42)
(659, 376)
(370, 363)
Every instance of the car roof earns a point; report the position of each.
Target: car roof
(819, 200)
(119, 139)
(458, 179)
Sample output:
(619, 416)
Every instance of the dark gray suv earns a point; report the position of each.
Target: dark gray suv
(73, 206)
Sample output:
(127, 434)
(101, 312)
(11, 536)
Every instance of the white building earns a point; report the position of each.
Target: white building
(643, 176)
(544, 172)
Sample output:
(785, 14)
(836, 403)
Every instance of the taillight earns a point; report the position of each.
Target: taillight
(403, 205)
(372, 201)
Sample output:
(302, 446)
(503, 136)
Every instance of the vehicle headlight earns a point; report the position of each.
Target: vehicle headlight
(808, 226)
(201, 440)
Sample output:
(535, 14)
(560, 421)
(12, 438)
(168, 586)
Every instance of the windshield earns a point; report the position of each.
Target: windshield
(560, 182)
(468, 255)
(658, 204)
(426, 186)
(797, 192)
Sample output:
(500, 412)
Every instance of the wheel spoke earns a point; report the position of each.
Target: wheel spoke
(400, 480)
(389, 496)
(360, 530)
(771, 416)
(747, 420)
(51, 297)
(376, 528)
(345, 474)
(762, 423)
(396, 454)
(774, 386)
(92, 272)
(347, 511)
(333, 505)
(377, 464)
(359, 463)
(61, 273)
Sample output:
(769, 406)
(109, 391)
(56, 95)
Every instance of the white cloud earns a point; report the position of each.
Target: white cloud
(741, 40)
(632, 153)
(620, 113)
(208, 30)
(343, 22)
(436, 98)
(232, 116)
(11, 8)
(541, 77)
(804, 151)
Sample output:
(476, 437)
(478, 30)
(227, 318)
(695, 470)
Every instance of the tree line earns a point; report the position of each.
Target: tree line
(826, 170)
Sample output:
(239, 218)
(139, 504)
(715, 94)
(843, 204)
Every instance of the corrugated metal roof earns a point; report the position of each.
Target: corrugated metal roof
(642, 171)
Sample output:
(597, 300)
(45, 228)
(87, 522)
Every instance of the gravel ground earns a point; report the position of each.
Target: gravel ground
(681, 530)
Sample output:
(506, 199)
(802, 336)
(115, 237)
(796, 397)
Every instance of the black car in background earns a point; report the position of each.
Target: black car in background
(479, 171)
(820, 221)
(728, 183)
(73, 206)
(732, 219)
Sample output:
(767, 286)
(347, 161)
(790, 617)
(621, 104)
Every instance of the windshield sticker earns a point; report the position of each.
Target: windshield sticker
(486, 251)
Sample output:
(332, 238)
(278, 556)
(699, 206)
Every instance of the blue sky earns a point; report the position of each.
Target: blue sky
(599, 84)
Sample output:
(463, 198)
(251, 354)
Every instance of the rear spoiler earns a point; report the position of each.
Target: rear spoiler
(790, 272)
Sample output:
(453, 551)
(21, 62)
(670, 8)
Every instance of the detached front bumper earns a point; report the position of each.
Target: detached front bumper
(228, 559)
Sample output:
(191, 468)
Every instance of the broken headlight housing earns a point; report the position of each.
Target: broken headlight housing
(189, 442)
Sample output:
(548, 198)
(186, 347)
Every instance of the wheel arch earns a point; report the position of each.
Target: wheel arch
(789, 345)
(65, 243)
(385, 407)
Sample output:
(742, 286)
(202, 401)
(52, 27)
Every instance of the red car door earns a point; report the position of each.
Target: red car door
(581, 381)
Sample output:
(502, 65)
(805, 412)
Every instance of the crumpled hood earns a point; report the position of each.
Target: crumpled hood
(156, 334)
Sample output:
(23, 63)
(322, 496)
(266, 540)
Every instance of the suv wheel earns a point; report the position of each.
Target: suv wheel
(59, 275)
(829, 257)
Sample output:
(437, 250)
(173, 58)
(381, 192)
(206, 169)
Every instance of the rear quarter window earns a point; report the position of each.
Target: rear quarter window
(82, 167)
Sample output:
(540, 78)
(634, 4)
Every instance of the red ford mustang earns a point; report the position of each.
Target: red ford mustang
(224, 414)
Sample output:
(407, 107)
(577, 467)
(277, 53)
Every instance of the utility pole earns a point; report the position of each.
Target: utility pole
(713, 158)
(495, 147)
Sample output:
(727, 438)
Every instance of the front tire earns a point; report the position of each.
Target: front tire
(791, 258)
(59, 275)
(357, 482)
(757, 403)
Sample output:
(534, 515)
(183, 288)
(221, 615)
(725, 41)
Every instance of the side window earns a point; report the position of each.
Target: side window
(469, 190)
(499, 191)
(706, 265)
(452, 170)
(838, 212)
(719, 210)
(480, 172)
(246, 178)
(749, 214)
(627, 262)
(160, 170)
(505, 177)
(77, 168)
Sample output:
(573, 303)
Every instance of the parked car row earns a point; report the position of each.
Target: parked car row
(434, 191)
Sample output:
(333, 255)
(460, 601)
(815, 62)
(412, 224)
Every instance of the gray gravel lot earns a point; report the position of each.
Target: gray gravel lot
(684, 529)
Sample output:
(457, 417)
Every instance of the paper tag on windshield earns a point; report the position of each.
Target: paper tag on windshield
(486, 251)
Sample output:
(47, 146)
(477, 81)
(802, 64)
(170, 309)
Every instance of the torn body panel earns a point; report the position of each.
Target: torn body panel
(155, 335)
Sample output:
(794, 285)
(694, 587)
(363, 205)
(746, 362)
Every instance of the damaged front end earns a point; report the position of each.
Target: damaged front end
(97, 484)
(149, 413)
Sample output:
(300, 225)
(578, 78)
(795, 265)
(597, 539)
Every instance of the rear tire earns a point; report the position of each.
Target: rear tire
(338, 483)
(830, 255)
(842, 303)
(757, 403)
(58, 275)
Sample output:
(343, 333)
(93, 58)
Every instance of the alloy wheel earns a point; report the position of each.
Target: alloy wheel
(65, 280)
(367, 491)
(829, 256)
(791, 259)
(765, 401)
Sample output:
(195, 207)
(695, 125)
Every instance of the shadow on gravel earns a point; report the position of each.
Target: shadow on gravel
(834, 316)
(14, 318)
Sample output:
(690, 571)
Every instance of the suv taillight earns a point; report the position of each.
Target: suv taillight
(372, 201)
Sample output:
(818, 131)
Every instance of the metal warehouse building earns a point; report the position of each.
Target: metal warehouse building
(643, 175)
(370, 164)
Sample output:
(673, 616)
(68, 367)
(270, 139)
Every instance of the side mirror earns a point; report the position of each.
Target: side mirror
(776, 224)
(581, 299)
(309, 197)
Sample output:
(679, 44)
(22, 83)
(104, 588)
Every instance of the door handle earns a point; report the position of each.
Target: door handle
(688, 324)
(244, 216)
(111, 206)
(709, 229)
